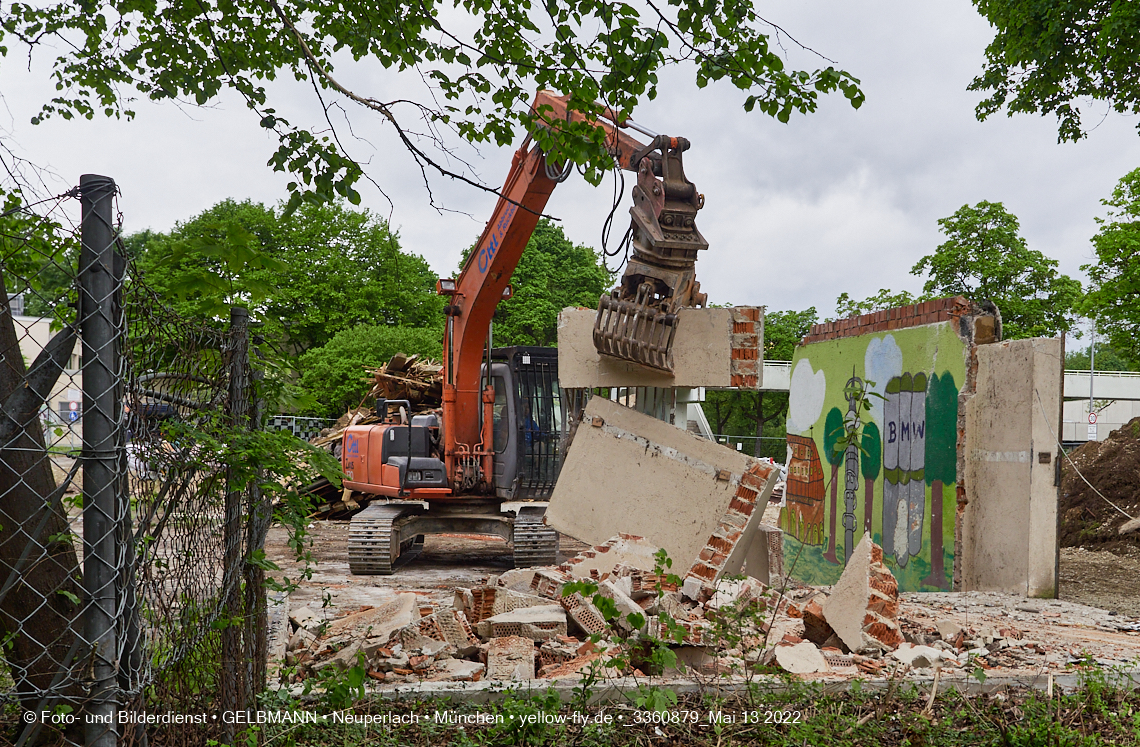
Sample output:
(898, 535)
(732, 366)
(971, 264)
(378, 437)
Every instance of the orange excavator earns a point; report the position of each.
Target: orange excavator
(503, 420)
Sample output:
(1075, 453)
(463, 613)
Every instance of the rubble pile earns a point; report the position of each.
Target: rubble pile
(521, 626)
(1111, 468)
(420, 381)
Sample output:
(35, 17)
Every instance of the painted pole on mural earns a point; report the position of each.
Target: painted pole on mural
(851, 465)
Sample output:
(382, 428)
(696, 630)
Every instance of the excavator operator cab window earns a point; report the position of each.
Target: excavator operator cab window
(501, 422)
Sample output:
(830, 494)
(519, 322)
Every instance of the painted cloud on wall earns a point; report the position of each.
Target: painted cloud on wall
(881, 363)
(805, 400)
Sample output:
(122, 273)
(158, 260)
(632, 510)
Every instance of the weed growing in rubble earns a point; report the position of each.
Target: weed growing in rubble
(638, 646)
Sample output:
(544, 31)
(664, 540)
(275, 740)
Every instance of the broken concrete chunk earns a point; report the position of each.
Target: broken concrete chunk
(455, 670)
(800, 658)
(300, 639)
(307, 618)
(864, 603)
(535, 623)
(488, 601)
(379, 622)
(623, 549)
(517, 579)
(725, 549)
(346, 658)
(948, 629)
(510, 658)
(918, 657)
(625, 605)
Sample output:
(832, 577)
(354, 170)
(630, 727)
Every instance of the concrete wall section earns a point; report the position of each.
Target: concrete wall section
(1009, 522)
(628, 472)
(717, 348)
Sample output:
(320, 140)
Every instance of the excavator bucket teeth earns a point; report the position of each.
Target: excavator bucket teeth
(635, 332)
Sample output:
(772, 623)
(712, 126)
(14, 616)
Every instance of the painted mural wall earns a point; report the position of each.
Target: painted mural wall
(898, 482)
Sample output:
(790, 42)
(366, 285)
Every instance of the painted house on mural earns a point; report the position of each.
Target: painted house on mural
(879, 433)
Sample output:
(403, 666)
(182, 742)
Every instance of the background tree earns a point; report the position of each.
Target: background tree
(1048, 55)
(1108, 358)
(552, 274)
(480, 61)
(333, 375)
(846, 306)
(832, 431)
(985, 258)
(1114, 299)
(306, 275)
(941, 462)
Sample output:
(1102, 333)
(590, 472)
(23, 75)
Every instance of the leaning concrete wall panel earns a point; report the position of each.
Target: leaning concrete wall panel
(628, 472)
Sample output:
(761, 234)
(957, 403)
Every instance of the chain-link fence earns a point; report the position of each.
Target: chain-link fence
(129, 587)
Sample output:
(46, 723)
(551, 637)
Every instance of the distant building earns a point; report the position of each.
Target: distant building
(63, 410)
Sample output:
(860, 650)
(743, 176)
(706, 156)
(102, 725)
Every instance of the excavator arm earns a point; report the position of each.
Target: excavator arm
(481, 284)
(664, 240)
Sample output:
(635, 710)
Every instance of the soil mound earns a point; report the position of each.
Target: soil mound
(1111, 466)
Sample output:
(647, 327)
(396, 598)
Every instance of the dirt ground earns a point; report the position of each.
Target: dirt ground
(1109, 580)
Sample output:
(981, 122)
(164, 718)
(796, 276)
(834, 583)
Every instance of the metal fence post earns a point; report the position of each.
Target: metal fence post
(260, 516)
(102, 415)
(233, 679)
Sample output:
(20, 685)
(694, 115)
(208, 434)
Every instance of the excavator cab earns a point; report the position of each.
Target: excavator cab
(529, 422)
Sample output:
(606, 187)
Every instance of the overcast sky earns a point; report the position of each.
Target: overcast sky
(836, 201)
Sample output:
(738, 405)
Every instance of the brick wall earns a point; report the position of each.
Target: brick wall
(902, 317)
(702, 576)
(747, 337)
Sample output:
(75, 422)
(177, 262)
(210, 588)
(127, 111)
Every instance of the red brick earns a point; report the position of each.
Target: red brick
(741, 507)
(706, 554)
(745, 493)
(745, 354)
(717, 543)
(700, 570)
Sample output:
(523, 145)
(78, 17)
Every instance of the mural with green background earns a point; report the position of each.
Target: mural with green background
(898, 477)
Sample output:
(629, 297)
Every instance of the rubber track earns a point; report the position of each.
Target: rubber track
(534, 542)
(370, 540)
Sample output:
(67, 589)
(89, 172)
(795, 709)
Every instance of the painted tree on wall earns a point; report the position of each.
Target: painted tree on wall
(941, 461)
(832, 430)
(872, 459)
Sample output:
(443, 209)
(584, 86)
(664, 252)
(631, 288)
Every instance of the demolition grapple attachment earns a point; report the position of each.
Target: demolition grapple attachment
(638, 319)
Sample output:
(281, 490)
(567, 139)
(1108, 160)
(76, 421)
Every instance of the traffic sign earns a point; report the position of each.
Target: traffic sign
(1092, 432)
(73, 406)
(73, 415)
